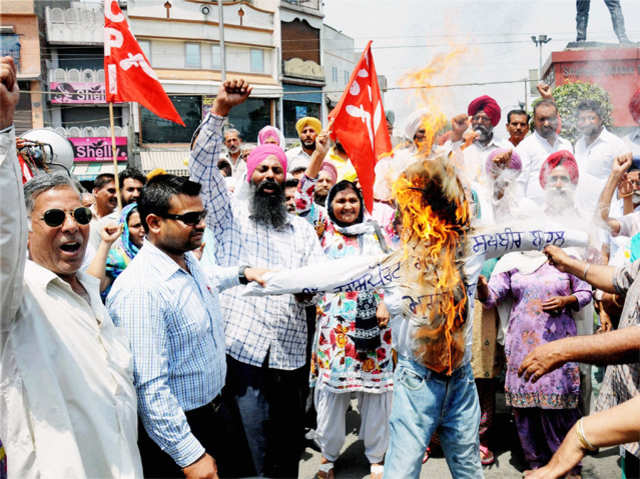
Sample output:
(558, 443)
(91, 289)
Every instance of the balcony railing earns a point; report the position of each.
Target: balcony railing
(312, 4)
(90, 131)
(83, 24)
(76, 75)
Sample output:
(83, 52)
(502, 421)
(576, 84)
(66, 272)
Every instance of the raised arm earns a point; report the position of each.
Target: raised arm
(203, 164)
(13, 217)
(599, 276)
(97, 268)
(620, 165)
(307, 184)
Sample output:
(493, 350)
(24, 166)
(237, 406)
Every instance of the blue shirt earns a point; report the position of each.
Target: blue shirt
(173, 321)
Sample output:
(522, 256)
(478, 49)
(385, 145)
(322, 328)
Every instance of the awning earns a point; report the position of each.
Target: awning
(302, 93)
(89, 171)
(173, 162)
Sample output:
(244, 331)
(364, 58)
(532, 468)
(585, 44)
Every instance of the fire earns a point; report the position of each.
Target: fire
(435, 216)
(422, 81)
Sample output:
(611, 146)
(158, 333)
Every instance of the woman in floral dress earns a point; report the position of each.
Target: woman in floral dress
(543, 302)
(352, 346)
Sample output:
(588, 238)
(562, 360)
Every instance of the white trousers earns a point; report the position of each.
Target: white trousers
(375, 410)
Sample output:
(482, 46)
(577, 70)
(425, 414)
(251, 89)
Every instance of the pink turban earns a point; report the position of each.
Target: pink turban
(268, 132)
(488, 105)
(514, 164)
(559, 158)
(634, 107)
(329, 169)
(260, 153)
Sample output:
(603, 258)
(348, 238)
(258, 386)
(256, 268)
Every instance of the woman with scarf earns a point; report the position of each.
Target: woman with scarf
(124, 248)
(352, 345)
(544, 306)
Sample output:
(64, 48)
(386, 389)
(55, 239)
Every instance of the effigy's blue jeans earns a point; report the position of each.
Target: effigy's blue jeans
(424, 400)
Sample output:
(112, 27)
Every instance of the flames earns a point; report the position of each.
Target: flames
(435, 217)
(439, 68)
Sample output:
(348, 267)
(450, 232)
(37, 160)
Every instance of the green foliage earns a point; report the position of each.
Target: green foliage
(569, 96)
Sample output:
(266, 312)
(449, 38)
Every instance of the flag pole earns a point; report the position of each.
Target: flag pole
(114, 156)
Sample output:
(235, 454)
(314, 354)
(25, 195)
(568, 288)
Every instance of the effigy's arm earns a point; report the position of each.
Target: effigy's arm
(354, 273)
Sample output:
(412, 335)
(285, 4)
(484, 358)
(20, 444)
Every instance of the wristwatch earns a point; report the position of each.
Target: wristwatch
(241, 276)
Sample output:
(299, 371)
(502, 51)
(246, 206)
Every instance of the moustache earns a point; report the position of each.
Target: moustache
(271, 184)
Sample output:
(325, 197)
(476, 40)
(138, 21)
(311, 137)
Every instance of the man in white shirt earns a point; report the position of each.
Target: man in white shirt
(517, 126)
(67, 401)
(308, 129)
(537, 147)
(485, 115)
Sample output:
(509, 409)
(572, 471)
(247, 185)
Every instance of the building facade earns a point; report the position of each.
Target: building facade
(340, 59)
(20, 39)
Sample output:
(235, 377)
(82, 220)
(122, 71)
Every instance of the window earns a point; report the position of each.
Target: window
(159, 130)
(216, 56)
(145, 45)
(293, 111)
(192, 55)
(346, 77)
(250, 116)
(334, 74)
(10, 46)
(257, 61)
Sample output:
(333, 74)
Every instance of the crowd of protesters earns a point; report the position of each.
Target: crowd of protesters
(128, 346)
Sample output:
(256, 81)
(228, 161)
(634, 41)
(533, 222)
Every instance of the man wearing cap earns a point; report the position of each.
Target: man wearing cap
(485, 115)
(266, 338)
(537, 147)
(308, 129)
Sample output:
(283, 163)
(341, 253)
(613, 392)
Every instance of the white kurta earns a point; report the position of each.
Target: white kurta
(67, 401)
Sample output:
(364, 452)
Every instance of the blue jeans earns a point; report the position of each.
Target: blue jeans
(424, 400)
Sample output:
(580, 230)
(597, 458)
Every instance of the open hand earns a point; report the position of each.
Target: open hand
(230, 94)
(540, 361)
(555, 304)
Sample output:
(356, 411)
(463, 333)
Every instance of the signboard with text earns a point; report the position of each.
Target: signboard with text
(207, 104)
(98, 148)
(77, 92)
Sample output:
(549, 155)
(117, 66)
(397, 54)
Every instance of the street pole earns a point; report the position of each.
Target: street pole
(539, 41)
(223, 56)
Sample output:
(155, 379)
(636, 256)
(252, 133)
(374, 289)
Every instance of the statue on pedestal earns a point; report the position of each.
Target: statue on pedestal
(617, 19)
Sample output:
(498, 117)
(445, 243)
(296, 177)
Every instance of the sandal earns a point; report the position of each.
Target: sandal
(486, 456)
(427, 455)
(325, 471)
(376, 471)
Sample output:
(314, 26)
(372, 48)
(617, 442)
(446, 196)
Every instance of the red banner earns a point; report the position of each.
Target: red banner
(128, 74)
(360, 125)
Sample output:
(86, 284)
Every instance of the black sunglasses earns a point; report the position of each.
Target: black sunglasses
(55, 216)
(192, 218)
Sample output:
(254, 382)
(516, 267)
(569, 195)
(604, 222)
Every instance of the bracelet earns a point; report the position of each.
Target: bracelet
(586, 270)
(582, 439)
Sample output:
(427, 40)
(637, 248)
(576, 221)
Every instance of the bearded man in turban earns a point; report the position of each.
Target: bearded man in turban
(485, 115)
(308, 129)
(265, 338)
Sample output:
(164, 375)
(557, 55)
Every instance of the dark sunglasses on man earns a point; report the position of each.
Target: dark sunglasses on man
(192, 218)
(55, 216)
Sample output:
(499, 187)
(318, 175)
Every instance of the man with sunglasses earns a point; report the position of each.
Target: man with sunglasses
(266, 337)
(171, 313)
(67, 400)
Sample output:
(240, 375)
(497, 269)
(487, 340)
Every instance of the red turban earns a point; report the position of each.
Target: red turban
(486, 104)
(634, 106)
(559, 158)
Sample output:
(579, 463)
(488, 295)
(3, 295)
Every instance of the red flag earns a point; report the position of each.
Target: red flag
(128, 74)
(360, 125)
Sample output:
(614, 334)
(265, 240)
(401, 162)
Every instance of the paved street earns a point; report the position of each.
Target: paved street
(352, 463)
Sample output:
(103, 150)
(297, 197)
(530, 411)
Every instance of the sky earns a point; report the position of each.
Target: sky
(495, 35)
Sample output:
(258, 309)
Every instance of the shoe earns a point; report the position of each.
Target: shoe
(325, 471)
(376, 471)
(427, 455)
(486, 456)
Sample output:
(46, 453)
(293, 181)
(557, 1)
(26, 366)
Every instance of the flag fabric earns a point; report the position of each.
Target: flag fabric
(359, 123)
(128, 74)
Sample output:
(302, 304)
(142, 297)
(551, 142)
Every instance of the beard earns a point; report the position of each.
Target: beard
(559, 202)
(547, 132)
(233, 149)
(268, 209)
(309, 145)
(485, 134)
(320, 199)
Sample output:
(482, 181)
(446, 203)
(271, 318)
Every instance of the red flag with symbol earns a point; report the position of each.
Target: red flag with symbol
(360, 125)
(128, 74)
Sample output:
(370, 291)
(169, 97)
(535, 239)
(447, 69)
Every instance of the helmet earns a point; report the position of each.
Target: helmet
(54, 149)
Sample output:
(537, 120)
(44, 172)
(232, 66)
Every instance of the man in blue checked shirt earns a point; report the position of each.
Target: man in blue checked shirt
(172, 316)
(266, 338)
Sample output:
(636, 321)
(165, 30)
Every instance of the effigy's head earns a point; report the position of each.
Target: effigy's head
(435, 217)
(431, 201)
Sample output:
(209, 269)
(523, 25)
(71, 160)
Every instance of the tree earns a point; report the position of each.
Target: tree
(569, 96)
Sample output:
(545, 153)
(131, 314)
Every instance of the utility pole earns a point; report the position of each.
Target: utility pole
(539, 41)
(223, 55)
